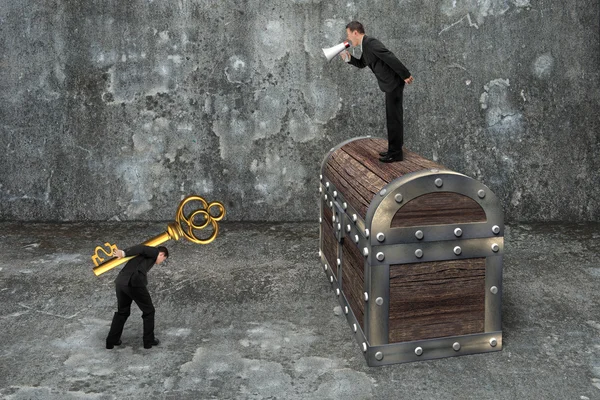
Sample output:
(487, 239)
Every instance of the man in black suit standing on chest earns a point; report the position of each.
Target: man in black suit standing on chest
(131, 286)
(391, 75)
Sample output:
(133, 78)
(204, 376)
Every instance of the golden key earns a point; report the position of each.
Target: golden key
(176, 230)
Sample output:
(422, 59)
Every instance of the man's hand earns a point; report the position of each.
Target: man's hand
(345, 55)
(118, 253)
(409, 80)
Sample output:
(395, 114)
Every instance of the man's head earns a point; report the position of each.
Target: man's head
(355, 32)
(163, 254)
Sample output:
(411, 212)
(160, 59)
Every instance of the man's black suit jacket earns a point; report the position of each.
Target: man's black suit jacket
(134, 273)
(390, 72)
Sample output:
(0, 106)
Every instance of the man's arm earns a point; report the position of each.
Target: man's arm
(140, 249)
(389, 58)
(350, 59)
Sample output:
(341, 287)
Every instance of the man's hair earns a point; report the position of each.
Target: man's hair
(163, 249)
(356, 26)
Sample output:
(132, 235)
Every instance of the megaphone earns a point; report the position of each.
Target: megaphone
(335, 50)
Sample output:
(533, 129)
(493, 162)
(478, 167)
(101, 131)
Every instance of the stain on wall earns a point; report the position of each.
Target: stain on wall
(116, 110)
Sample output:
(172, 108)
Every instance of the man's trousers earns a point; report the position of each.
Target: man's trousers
(395, 119)
(125, 295)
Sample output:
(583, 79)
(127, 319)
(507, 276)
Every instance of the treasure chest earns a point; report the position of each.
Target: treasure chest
(413, 252)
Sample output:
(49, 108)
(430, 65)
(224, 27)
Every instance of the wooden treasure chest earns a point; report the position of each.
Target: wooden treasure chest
(414, 253)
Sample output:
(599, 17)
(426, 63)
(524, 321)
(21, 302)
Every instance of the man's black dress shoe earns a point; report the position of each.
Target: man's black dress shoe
(112, 345)
(383, 153)
(155, 342)
(391, 157)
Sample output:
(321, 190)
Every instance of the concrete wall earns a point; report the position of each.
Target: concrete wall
(116, 109)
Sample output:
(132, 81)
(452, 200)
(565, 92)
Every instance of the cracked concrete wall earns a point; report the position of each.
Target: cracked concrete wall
(115, 110)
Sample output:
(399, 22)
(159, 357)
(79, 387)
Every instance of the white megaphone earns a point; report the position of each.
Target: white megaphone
(335, 50)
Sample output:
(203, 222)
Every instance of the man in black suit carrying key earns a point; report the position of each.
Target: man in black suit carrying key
(391, 75)
(131, 286)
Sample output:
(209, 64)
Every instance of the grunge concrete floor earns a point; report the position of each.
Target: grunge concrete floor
(251, 316)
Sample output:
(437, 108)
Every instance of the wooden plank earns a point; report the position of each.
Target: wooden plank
(439, 208)
(360, 177)
(330, 243)
(351, 194)
(353, 264)
(357, 184)
(436, 299)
